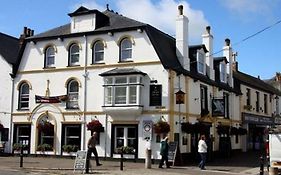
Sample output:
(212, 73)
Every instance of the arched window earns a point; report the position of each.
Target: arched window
(73, 55)
(50, 57)
(125, 49)
(98, 52)
(73, 95)
(24, 96)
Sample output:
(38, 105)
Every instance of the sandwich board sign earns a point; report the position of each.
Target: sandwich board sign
(80, 161)
(172, 151)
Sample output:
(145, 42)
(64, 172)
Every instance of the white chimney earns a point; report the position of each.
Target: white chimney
(207, 40)
(182, 39)
(227, 52)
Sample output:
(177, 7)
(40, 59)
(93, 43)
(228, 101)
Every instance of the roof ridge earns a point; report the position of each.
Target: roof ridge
(12, 37)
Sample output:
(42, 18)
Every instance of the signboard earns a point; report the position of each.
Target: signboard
(256, 119)
(172, 151)
(80, 160)
(155, 95)
(147, 129)
(54, 99)
(218, 107)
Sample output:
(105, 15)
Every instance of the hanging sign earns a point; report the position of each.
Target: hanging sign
(155, 95)
(54, 99)
(218, 107)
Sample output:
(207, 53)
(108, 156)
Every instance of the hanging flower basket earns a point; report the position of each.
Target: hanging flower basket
(161, 127)
(222, 130)
(187, 127)
(242, 131)
(234, 131)
(45, 127)
(95, 126)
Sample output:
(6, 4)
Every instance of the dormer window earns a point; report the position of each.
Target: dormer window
(201, 68)
(223, 72)
(50, 57)
(74, 55)
(98, 52)
(125, 49)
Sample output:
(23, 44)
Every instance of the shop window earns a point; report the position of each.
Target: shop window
(125, 136)
(71, 135)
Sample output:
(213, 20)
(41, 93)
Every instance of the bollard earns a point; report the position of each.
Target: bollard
(121, 161)
(148, 159)
(261, 165)
(21, 156)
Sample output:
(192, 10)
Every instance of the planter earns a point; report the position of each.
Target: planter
(125, 150)
(44, 147)
(70, 148)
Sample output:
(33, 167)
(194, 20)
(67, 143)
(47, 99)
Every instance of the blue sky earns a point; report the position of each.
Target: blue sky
(234, 19)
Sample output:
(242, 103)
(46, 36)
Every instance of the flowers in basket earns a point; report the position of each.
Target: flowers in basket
(95, 126)
(45, 127)
(161, 127)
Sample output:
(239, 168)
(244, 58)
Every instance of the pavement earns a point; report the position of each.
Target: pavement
(238, 164)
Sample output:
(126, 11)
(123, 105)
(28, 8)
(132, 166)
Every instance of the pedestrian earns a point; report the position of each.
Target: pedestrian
(92, 149)
(202, 150)
(164, 149)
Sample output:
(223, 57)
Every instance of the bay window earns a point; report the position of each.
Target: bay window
(122, 90)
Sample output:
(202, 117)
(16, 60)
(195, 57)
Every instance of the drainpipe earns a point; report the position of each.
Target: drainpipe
(85, 75)
(11, 117)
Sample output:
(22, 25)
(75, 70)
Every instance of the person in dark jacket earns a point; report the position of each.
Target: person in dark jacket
(92, 149)
(164, 149)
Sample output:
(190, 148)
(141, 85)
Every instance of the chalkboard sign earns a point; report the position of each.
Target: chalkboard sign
(155, 95)
(172, 151)
(80, 160)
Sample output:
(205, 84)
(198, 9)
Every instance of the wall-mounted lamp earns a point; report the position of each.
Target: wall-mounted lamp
(180, 97)
(162, 118)
(94, 118)
(195, 99)
(153, 81)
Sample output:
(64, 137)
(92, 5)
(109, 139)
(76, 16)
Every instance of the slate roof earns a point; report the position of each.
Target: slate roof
(122, 71)
(242, 78)
(9, 47)
(164, 44)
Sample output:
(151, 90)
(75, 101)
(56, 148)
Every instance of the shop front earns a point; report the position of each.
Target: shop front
(257, 126)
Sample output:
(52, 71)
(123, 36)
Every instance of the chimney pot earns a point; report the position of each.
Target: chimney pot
(180, 8)
(227, 42)
(25, 30)
(31, 32)
(208, 29)
(28, 32)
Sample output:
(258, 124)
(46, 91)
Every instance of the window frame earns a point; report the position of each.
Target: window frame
(125, 137)
(95, 52)
(223, 72)
(49, 56)
(72, 55)
(25, 96)
(204, 98)
(128, 49)
(257, 101)
(201, 62)
(265, 98)
(65, 128)
(74, 94)
(248, 96)
(111, 85)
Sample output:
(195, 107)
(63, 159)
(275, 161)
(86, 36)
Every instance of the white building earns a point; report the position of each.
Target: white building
(125, 74)
(9, 47)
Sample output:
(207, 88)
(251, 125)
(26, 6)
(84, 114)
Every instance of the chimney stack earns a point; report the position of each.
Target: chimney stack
(182, 39)
(207, 40)
(27, 32)
(227, 52)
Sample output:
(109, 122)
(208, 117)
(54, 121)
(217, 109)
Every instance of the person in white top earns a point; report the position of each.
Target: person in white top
(202, 150)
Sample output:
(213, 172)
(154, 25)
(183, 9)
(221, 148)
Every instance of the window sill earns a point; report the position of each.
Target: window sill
(27, 109)
(73, 65)
(49, 67)
(99, 63)
(126, 61)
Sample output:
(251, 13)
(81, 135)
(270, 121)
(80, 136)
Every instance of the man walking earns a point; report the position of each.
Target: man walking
(92, 149)
(202, 150)
(164, 149)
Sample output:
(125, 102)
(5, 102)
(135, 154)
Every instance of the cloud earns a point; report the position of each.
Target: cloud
(160, 14)
(247, 7)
